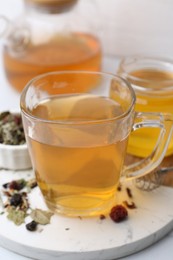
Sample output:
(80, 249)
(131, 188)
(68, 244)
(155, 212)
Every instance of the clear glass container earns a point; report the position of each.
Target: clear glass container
(49, 36)
(152, 81)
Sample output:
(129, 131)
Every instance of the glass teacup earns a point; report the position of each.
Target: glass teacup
(78, 138)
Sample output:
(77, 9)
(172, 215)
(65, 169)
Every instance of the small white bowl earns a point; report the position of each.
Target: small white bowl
(14, 157)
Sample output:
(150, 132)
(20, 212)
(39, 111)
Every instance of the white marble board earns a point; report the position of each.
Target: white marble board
(90, 239)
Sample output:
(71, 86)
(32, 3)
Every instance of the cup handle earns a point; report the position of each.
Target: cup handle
(148, 164)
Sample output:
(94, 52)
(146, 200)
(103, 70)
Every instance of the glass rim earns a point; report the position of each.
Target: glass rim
(137, 58)
(79, 122)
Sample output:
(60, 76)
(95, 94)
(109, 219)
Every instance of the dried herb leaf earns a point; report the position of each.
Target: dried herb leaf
(41, 216)
(15, 215)
(31, 184)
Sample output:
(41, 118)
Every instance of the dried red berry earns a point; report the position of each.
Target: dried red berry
(118, 213)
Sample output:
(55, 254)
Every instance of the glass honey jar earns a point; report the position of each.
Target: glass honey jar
(50, 35)
(152, 81)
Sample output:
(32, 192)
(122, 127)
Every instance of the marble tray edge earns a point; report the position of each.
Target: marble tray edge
(105, 254)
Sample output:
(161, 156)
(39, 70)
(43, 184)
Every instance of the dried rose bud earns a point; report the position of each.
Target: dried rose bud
(17, 185)
(14, 185)
(118, 213)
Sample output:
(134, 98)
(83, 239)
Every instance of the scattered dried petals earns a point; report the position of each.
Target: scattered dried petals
(102, 217)
(130, 205)
(17, 205)
(129, 192)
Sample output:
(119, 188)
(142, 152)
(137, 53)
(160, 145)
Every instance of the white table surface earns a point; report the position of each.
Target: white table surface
(9, 99)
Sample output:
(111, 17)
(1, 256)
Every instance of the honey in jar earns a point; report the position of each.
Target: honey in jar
(152, 80)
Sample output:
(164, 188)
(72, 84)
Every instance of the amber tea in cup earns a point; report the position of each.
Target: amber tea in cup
(152, 80)
(78, 140)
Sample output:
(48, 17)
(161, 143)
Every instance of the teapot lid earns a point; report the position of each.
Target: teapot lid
(50, 6)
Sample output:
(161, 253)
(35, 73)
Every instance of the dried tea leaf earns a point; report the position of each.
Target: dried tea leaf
(11, 129)
(15, 215)
(4, 114)
(31, 184)
(41, 216)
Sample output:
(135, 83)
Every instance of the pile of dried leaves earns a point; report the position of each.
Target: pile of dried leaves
(17, 205)
(18, 208)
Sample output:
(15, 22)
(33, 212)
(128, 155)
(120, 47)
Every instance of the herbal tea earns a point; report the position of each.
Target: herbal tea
(64, 52)
(78, 165)
(78, 140)
(141, 142)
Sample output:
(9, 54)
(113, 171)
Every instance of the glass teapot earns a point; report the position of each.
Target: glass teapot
(50, 35)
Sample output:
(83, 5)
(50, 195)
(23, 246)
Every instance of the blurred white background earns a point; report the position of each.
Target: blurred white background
(125, 26)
